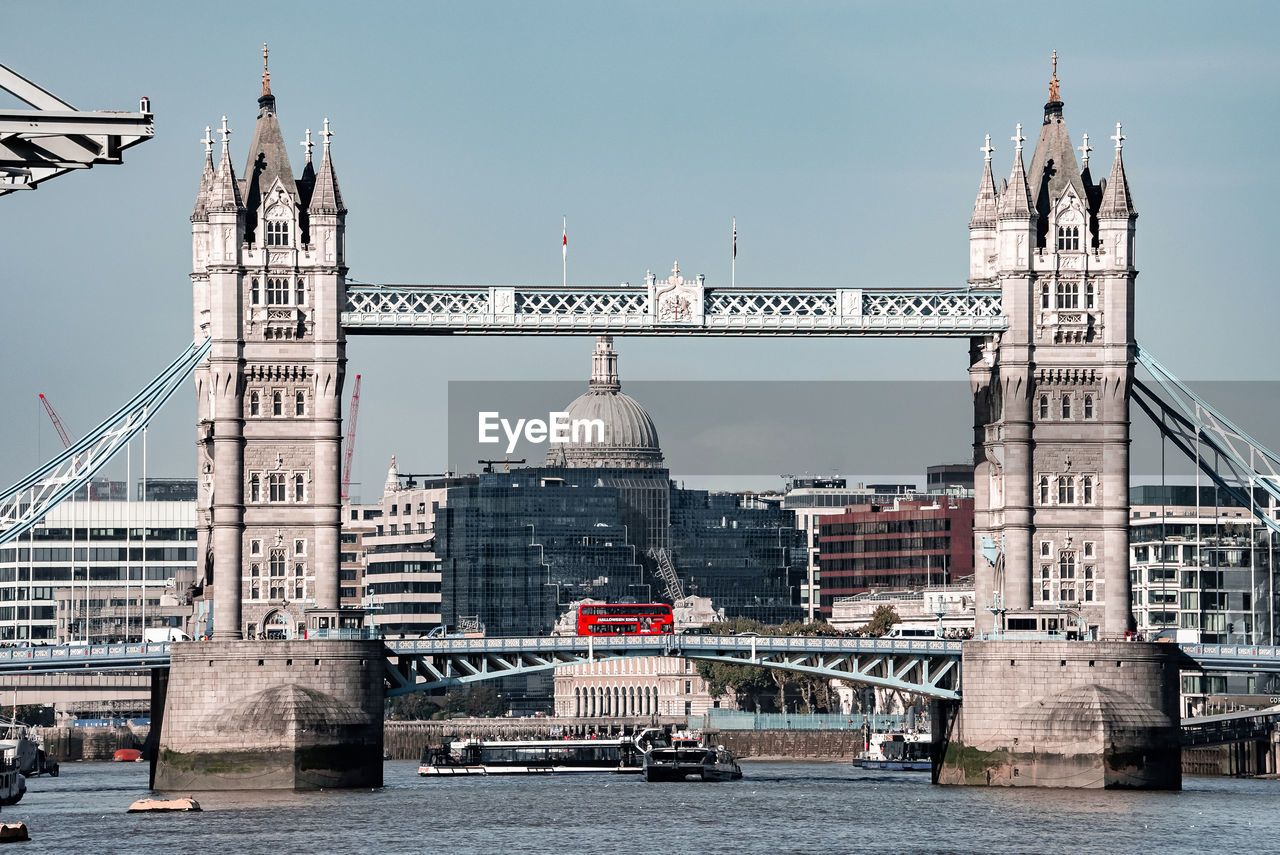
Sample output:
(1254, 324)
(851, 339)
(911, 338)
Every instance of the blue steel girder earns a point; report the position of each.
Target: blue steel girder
(924, 667)
(675, 307)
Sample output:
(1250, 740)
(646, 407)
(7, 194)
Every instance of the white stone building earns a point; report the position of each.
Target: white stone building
(632, 688)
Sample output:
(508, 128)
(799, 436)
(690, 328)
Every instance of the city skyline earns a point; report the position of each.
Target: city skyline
(861, 176)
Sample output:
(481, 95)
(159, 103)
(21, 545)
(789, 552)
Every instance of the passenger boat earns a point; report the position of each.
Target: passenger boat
(20, 748)
(897, 752)
(618, 755)
(683, 758)
(13, 786)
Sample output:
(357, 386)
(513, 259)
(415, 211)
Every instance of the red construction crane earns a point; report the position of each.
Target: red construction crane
(57, 422)
(351, 438)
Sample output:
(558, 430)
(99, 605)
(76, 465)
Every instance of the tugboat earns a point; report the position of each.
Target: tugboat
(683, 758)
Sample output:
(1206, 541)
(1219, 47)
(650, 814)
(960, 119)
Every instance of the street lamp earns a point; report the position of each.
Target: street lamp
(940, 609)
(997, 609)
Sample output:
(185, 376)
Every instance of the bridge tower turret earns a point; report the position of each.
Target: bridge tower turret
(1051, 392)
(269, 285)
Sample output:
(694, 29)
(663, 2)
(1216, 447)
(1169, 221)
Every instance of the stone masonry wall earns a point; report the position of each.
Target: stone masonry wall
(1066, 714)
(272, 714)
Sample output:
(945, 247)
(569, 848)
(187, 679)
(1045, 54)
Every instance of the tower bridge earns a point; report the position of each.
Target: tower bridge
(1048, 308)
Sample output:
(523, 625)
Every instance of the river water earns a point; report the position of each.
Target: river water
(777, 808)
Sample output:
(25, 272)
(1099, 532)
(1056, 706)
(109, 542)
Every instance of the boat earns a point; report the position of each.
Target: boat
(13, 786)
(618, 755)
(127, 755)
(897, 752)
(683, 758)
(20, 747)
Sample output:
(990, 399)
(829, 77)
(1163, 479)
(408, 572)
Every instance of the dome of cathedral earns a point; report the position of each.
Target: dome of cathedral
(630, 438)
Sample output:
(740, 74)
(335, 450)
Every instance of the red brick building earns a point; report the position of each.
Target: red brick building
(894, 546)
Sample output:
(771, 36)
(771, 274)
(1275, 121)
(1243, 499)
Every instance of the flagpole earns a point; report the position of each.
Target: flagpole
(733, 261)
(564, 251)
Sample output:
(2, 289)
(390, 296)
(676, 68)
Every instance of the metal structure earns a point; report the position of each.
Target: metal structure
(57, 422)
(926, 667)
(1241, 465)
(56, 138)
(348, 453)
(673, 307)
(24, 504)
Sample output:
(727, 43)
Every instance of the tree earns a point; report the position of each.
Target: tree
(882, 620)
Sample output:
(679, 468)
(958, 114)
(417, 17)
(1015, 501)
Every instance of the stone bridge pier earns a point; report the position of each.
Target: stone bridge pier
(241, 715)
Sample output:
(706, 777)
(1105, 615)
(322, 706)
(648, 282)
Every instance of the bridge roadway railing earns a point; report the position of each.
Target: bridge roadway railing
(928, 666)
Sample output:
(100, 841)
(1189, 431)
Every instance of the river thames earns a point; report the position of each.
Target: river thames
(776, 808)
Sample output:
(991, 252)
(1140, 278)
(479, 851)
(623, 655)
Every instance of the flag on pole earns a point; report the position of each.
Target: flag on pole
(735, 238)
(564, 244)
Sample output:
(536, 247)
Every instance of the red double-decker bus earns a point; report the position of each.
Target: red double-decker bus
(625, 619)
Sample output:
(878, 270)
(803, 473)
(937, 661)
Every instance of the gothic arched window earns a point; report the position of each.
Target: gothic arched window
(255, 296)
(275, 487)
(1069, 238)
(1066, 490)
(1086, 489)
(277, 562)
(1066, 406)
(1066, 564)
(1044, 489)
(277, 404)
(301, 295)
(277, 233)
(1088, 406)
(299, 488)
(1044, 406)
(300, 404)
(255, 404)
(277, 291)
(255, 488)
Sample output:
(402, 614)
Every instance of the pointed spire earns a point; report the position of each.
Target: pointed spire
(1054, 94)
(1085, 148)
(224, 193)
(1015, 202)
(984, 208)
(206, 178)
(308, 144)
(1116, 201)
(326, 198)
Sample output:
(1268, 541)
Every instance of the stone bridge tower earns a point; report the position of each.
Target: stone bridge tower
(268, 278)
(1051, 395)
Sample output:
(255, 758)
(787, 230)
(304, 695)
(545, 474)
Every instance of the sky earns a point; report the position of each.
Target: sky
(844, 138)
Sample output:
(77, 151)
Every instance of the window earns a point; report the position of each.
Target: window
(255, 570)
(255, 295)
(302, 294)
(1067, 564)
(1088, 549)
(275, 487)
(1068, 295)
(277, 403)
(1066, 490)
(1066, 406)
(277, 292)
(1088, 295)
(255, 547)
(300, 404)
(255, 488)
(1044, 571)
(253, 595)
(277, 233)
(299, 547)
(299, 488)
(1044, 406)
(1086, 489)
(297, 592)
(1044, 489)
(297, 570)
(255, 404)
(1044, 295)
(1046, 548)
(277, 562)
(1088, 406)
(1068, 237)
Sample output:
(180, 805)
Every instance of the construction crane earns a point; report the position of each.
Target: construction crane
(57, 422)
(350, 450)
